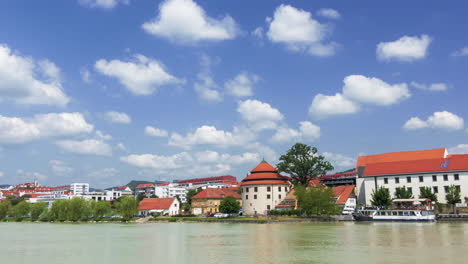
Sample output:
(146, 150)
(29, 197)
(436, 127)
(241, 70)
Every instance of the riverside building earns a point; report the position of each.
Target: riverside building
(435, 168)
(263, 189)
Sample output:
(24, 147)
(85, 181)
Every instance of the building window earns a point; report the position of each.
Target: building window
(434, 178)
(268, 189)
(458, 187)
(255, 197)
(246, 189)
(268, 196)
(246, 197)
(421, 178)
(397, 180)
(445, 177)
(446, 189)
(279, 188)
(408, 179)
(435, 189)
(279, 196)
(268, 207)
(456, 177)
(255, 189)
(385, 180)
(285, 189)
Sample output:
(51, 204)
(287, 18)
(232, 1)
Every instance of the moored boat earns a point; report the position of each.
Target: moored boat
(417, 213)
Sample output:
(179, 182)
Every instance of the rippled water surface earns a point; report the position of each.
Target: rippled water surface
(206, 243)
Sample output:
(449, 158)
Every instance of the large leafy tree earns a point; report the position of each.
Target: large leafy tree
(316, 200)
(453, 196)
(303, 164)
(21, 210)
(100, 209)
(37, 209)
(128, 206)
(426, 193)
(229, 205)
(4, 208)
(381, 197)
(77, 209)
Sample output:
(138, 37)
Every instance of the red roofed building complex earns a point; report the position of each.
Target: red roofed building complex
(413, 169)
(208, 200)
(210, 182)
(165, 206)
(263, 189)
(147, 189)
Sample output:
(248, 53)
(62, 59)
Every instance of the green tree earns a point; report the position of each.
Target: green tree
(426, 193)
(403, 193)
(453, 196)
(21, 210)
(13, 199)
(381, 197)
(318, 200)
(37, 209)
(77, 209)
(303, 164)
(140, 197)
(229, 205)
(4, 209)
(128, 206)
(58, 211)
(154, 196)
(100, 209)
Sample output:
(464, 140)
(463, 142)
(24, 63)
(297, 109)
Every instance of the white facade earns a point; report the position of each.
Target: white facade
(102, 196)
(260, 199)
(171, 211)
(438, 182)
(79, 188)
(171, 190)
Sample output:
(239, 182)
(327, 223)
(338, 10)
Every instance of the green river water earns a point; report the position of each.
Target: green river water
(41, 243)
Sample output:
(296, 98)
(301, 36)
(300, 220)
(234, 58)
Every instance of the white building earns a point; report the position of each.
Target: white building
(413, 169)
(168, 190)
(164, 206)
(263, 190)
(102, 195)
(146, 188)
(79, 188)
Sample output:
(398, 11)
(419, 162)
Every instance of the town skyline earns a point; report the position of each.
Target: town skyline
(113, 91)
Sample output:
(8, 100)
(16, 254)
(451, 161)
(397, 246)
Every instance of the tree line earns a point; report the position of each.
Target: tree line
(74, 210)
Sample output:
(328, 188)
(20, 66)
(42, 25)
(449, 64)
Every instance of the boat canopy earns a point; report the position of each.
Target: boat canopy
(411, 200)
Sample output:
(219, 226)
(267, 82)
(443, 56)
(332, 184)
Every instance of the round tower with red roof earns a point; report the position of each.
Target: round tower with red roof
(263, 189)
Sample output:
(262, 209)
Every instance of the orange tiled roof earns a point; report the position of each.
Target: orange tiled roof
(454, 163)
(264, 173)
(145, 185)
(401, 156)
(343, 192)
(217, 193)
(155, 203)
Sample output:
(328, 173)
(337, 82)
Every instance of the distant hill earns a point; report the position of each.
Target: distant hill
(134, 183)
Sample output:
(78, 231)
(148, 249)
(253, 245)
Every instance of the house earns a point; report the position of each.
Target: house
(263, 190)
(147, 189)
(435, 168)
(123, 188)
(208, 200)
(169, 206)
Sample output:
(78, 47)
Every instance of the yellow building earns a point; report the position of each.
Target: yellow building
(208, 200)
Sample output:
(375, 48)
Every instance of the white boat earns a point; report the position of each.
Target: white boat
(418, 213)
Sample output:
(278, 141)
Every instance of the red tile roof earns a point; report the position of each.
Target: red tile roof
(401, 156)
(454, 163)
(164, 184)
(145, 185)
(217, 193)
(121, 188)
(226, 178)
(264, 173)
(343, 192)
(155, 203)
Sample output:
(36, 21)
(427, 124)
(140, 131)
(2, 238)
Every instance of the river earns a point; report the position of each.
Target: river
(207, 243)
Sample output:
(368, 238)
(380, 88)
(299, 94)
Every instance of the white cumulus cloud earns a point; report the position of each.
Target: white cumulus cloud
(140, 76)
(241, 85)
(296, 29)
(340, 161)
(86, 147)
(307, 132)
(24, 80)
(407, 48)
(458, 149)
(155, 132)
(60, 168)
(259, 115)
(185, 22)
(462, 52)
(118, 117)
(329, 13)
(14, 130)
(104, 4)
(206, 87)
(436, 87)
(444, 120)
(324, 106)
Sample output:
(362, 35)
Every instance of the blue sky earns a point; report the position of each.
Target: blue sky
(105, 91)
